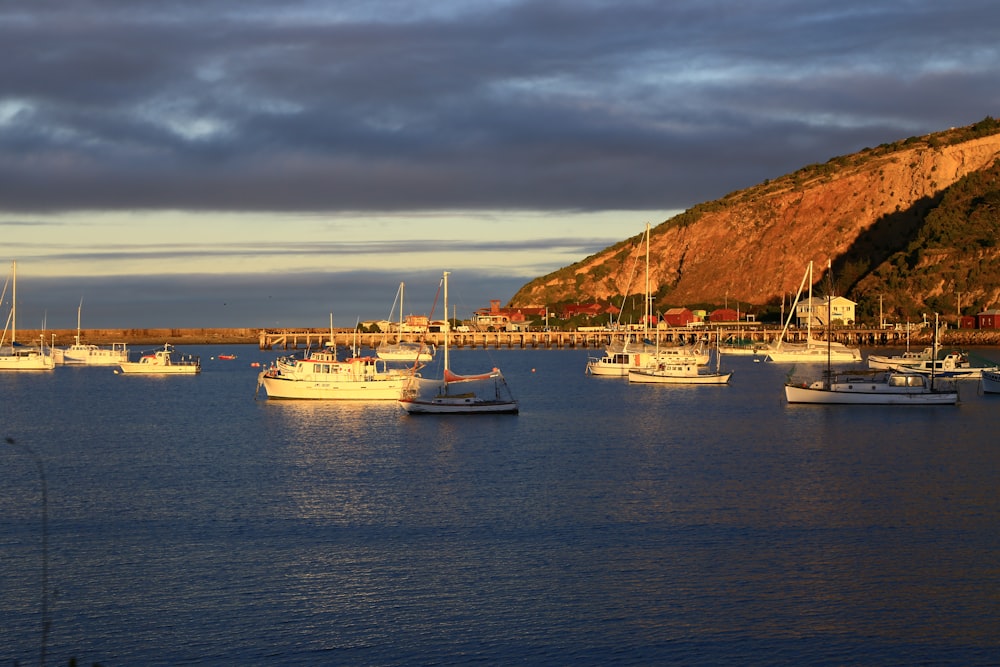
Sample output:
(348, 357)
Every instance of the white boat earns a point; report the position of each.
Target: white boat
(871, 388)
(908, 358)
(485, 393)
(990, 382)
(322, 376)
(642, 355)
(161, 362)
(812, 351)
(624, 356)
(954, 365)
(402, 350)
(16, 356)
(679, 373)
(866, 387)
(83, 354)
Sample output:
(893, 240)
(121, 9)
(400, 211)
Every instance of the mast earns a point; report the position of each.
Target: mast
(809, 320)
(13, 304)
(446, 327)
(829, 323)
(647, 308)
(400, 338)
(78, 309)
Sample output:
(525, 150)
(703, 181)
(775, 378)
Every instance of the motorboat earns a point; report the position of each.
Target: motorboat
(320, 375)
(162, 362)
(84, 354)
(673, 373)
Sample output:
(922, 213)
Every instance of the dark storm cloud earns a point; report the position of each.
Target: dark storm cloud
(224, 105)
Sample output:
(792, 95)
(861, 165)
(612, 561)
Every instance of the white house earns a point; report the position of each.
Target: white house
(843, 311)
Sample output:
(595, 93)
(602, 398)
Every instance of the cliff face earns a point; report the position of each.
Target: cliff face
(754, 245)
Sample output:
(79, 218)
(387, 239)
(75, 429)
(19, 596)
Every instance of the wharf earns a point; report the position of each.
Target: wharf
(314, 338)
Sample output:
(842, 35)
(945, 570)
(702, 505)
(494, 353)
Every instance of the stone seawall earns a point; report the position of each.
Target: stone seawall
(66, 337)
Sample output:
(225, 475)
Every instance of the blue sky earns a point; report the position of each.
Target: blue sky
(252, 163)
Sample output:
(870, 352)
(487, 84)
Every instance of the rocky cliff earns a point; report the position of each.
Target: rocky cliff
(753, 245)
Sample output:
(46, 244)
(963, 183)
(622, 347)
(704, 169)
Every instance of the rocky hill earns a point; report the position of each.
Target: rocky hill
(869, 213)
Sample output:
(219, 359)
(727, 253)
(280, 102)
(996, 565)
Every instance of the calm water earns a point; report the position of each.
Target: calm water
(606, 524)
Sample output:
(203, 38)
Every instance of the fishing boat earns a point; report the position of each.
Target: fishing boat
(679, 373)
(227, 357)
(162, 362)
(320, 375)
(812, 351)
(16, 356)
(484, 393)
(84, 354)
(990, 382)
(402, 350)
(867, 387)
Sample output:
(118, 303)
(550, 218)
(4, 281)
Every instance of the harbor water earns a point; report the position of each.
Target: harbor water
(188, 523)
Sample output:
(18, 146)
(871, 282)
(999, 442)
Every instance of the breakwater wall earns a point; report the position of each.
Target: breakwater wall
(312, 338)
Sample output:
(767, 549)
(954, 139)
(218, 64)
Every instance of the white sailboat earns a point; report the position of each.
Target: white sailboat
(485, 393)
(15, 356)
(408, 351)
(84, 354)
(812, 351)
(865, 387)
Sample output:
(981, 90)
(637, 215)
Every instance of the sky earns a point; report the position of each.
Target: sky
(251, 163)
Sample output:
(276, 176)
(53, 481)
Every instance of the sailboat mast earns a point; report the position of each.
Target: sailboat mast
(809, 320)
(647, 308)
(13, 303)
(446, 327)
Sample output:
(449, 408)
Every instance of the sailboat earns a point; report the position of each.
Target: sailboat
(402, 350)
(15, 356)
(83, 354)
(812, 351)
(866, 387)
(485, 393)
(619, 360)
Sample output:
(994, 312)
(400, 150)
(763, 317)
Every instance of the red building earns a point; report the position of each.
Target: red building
(988, 319)
(724, 315)
(678, 317)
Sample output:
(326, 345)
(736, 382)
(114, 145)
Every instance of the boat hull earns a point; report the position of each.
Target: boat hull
(657, 377)
(90, 356)
(455, 405)
(990, 382)
(135, 368)
(814, 355)
(868, 394)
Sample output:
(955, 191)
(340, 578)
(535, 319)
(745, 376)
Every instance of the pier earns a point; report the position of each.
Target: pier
(297, 339)
(314, 338)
